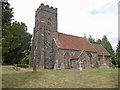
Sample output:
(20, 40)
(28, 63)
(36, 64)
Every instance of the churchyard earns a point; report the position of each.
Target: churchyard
(70, 78)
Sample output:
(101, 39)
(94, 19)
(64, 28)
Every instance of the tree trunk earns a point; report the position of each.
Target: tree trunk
(34, 65)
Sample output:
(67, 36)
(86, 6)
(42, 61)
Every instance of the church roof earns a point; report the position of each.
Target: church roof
(101, 50)
(71, 42)
(76, 55)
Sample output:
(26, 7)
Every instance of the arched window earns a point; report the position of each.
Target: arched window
(66, 60)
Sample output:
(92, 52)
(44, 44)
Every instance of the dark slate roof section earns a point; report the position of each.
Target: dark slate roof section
(101, 50)
(71, 42)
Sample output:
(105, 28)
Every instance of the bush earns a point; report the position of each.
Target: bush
(25, 60)
(22, 65)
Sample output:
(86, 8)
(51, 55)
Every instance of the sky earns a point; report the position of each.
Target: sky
(75, 17)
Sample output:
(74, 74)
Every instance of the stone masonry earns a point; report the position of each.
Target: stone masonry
(51, 48)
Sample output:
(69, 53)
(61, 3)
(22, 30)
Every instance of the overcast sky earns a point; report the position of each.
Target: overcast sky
(75, 17)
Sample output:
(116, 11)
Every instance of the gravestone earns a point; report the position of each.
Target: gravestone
(62, 66)
(56, 65)
(80, 65)
(16, 67)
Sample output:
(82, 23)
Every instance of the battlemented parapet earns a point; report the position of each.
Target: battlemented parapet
(43, 7)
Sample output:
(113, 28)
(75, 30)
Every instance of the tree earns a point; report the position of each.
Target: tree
(7, 14)
(98, 41)
(15, 38)
(91, 40)
(109, 48)
(118, 54)
(16, 43)
(106, 44)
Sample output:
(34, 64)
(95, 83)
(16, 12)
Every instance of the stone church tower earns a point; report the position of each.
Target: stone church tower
(45, 31)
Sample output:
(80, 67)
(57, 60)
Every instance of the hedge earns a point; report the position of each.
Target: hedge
(22, 65)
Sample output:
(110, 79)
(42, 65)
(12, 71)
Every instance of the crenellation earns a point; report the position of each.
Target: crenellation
(51, 7)
(55, 8)
(42, 7)
(47, 6)
(42, 4)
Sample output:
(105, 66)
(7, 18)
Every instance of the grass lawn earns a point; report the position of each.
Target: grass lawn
(89, 78)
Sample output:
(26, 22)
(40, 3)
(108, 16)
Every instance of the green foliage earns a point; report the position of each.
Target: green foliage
(25, 59)
(118, 54)
(98, 41)
(22, 65)
(7, 13)
(16, 43)
(15, 38)
(106, 44)
(109, 48)
(91, 40)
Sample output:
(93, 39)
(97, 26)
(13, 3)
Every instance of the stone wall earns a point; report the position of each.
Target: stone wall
(84, 57)
(45, 30)
(94, 59)
(61, 57)
(106, 60)
(85, 60)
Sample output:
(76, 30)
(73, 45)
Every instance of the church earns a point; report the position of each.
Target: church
(51, 49)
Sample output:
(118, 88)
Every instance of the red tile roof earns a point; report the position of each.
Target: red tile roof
(101, 50)
(71, 42)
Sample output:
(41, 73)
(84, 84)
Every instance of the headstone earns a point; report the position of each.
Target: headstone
(56, 65)
(16, 68)
(80, 66)
(62, 66)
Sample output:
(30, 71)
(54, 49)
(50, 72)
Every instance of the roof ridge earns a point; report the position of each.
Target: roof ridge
(71, 35)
